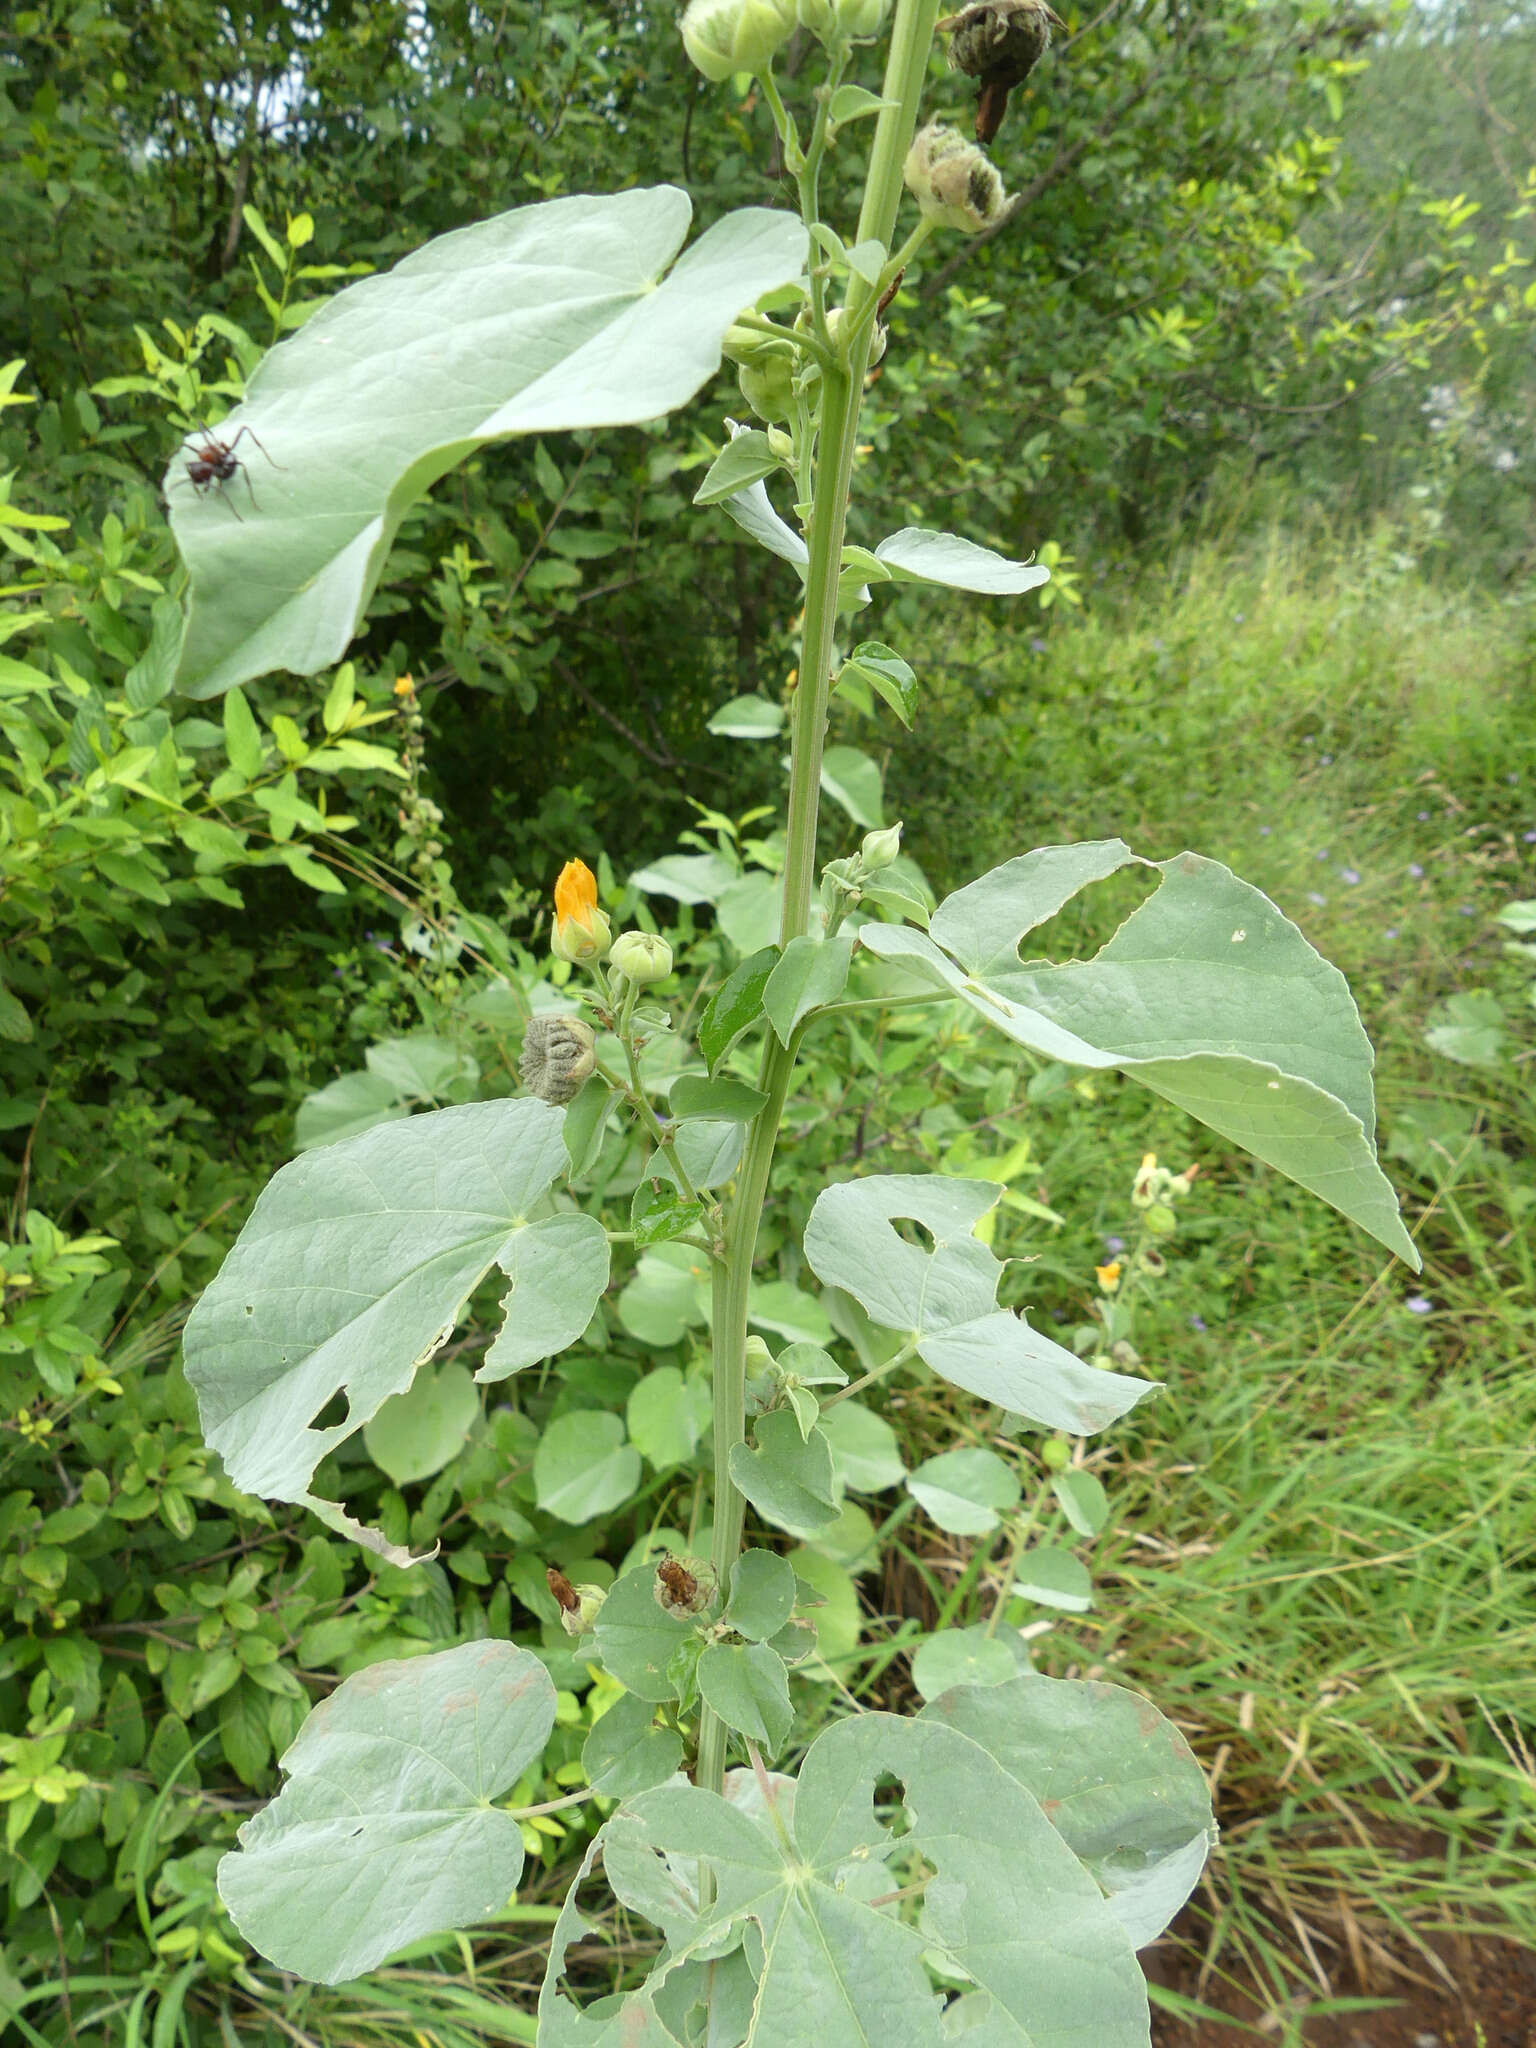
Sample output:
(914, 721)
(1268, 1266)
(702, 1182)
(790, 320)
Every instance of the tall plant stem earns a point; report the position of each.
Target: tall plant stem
(842, 392)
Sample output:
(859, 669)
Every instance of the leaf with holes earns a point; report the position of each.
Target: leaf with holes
(1008, 1904)
(945, 1300)
(385, 1831)
(353, 1270)
(1206, 994)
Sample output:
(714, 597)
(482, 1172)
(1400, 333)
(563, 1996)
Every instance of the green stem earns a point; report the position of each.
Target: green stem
(842, 394)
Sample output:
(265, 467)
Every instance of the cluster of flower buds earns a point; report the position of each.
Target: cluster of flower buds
(955, 184)
(998, 43)
(840, 21)
(1155, 1190)
(557, 1056)
(845, 881)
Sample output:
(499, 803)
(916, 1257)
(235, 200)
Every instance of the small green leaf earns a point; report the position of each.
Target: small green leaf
(742, 462)
(967, 1491)
(966, 1656)
(586, 1120)
(667, 1415)
(853, 781)
(762, 1594)
(788, 1311)
(637, 1639)
(1054, 1578)
(414, 1434)
(583, 1466)
(668, 1295)
(747, 1686)
(352, 1861)
(810, 974)
(658, 1213)
(865, 1454)
(882, 669)
(853, 103)
(1083, 1500)
(736, 1005)
(748, 718)
(627, 1753)
(726, 1100)
(785, 1476)
(242, 737)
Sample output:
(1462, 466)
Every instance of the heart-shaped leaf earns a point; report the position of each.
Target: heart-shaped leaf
(945, 1301)
(552, 316)
(385, 1830)
(1207, 994)
(355, 1266)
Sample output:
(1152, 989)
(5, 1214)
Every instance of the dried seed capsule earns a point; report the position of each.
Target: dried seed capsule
(998, 42)
(684, 1586)
(558, 1054)
(955, 184)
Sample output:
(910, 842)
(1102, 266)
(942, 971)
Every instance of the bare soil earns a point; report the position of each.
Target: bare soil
(1493, 2006)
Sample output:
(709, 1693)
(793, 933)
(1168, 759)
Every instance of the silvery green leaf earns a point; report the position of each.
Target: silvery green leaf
(965, 1491)
(637, 1638)
(945, 1300)
(583, 1466)
(762, 1594)
(1118, 1780)
(853, 781)
(786, 1476)
(1054, 1578)
(1008, 1905)
(754, 514)
(687, 877)
(917, 554)
(865, 1453)
(972, 1656)
(627, 1753)
(810, 973)
(415, 1433)
(385, 1830)
(747, 1686)
(1207, 994)
(553, 316)
(748, 718)
(354, 1268)
(745, 460)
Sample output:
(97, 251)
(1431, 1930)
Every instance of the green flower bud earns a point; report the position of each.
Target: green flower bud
(581, 940)
(1055, 1454)
(723, 37)
(880, 848)
(781, 444)
(558, 1054)
(768, 385)
(757, 1354)
(835, 320)
(836, 21)
(641, 956)
(955, 184)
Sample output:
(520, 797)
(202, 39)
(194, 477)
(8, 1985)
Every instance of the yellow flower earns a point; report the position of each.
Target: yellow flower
(405, 686)
(1108, 1276)
(582, 933)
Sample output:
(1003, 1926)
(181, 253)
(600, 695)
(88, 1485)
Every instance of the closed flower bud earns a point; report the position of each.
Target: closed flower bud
(955, 184)
(558, 1054)
(726, 36)
(880, 849)
(581, 933)
(834, 21)
(835, 321)
(781, 445)
(768, 385)
(641, 956)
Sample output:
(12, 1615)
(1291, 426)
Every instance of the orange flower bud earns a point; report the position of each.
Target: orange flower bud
(582, 932)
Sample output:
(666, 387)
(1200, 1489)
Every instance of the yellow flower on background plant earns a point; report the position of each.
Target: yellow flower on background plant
(1108, 1276)
(582, 933)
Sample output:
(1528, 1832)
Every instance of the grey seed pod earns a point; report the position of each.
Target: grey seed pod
(558, 1055)
(1000, 40)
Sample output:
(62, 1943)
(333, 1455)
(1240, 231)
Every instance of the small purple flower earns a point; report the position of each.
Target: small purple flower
(1421, 816)
(1349, 875)
(1529, 838)
(1197, 1322)
(1416, 871)
(1238, 617)
(1038, 645)
(1512, 780)
(1313, 897)
(1114, 1245)
(1321, 856)
(1325, 760)
(1265, 830)
(1391, 932)
(1156, 643)
(1465, 910)
(1418, 1304)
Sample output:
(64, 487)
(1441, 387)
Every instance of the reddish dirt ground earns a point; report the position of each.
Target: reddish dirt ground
(1494, 2007)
